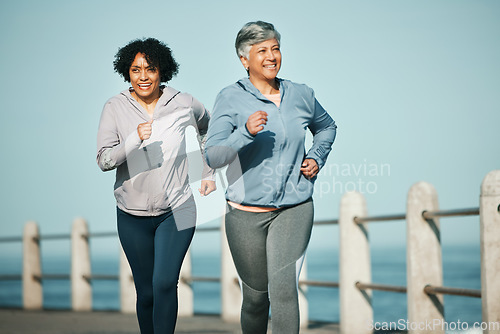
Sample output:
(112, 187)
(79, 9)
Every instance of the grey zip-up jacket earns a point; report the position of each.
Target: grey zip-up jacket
(151, 175)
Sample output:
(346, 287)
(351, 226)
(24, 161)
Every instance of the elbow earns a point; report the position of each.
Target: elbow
(332, 130)
(104, 160)
(217, 157)
(213, 163)
(209, 158)
(104, 168)
(105, 165)
(332, 126)
(334, 133)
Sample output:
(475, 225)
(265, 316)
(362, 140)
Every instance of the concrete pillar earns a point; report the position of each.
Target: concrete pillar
(490, 250)
(81, 290)
(356, 313)
(32, 270)
(128, 296)
(230, 291)
(186, 308)
(423, 260)
(303, 304)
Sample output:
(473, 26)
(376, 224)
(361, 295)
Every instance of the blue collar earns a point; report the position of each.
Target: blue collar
(248, 86)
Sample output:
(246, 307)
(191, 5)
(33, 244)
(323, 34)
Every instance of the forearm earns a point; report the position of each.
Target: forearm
(322, 145)
(108, 158)
(324, 131)
(219, 152)
(208, 173)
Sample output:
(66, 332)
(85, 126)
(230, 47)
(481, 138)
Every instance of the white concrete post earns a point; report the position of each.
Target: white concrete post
(128, 296)
(81, 290)
(230, 291)
(32, 270)
(356, 312)
(423, 258)
(490, 250)
(303, 305)
(186, 308)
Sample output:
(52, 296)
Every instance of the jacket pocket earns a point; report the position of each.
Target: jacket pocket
(130, 198)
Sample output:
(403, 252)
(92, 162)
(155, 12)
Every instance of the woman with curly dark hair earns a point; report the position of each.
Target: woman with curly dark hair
(142, 134)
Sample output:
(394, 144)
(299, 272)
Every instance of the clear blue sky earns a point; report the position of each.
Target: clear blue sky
(414, 87)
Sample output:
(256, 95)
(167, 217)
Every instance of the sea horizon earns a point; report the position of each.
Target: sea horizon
(461, 268)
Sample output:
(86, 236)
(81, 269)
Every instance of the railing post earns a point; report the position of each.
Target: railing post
(230, 290)
(490, 249)
(32, 271)
(81, 290)
(356, 313)
(128, 297)
(303, 304)
(423, 260)
(186, 308)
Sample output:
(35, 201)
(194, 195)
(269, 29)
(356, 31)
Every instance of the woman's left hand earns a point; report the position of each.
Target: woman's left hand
(309, 168)
(207, 187)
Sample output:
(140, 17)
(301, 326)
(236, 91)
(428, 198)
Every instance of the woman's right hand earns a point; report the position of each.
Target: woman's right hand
(256, 122)
(144, 130)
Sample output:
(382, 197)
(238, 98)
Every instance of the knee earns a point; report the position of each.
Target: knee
(165, 284)
(144, 297)
(283, 285)
(255, 301)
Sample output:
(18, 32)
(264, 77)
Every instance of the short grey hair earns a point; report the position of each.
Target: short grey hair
(254, 33)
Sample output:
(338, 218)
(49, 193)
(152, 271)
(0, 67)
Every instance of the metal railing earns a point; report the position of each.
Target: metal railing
(428, 288)
(424, 282)
(434, 290)
(424, 288)
(380, 287)
(87, 236)
(384, 218)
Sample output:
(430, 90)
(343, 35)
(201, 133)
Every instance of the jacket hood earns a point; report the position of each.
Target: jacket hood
(248, 86)
(167, 94)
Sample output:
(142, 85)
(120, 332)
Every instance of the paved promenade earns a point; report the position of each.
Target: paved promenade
(13, 321)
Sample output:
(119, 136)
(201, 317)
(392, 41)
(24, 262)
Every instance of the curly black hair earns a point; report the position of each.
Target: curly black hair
(157, 54)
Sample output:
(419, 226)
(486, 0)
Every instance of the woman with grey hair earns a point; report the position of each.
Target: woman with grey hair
(258, 129)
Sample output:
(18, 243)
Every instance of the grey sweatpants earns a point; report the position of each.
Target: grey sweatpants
(268, 250)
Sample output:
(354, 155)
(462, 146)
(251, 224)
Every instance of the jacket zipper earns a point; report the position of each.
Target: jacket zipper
(283, 144)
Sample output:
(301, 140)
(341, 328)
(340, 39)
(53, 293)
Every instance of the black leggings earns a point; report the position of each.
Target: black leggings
(155, 249)
(268, 250)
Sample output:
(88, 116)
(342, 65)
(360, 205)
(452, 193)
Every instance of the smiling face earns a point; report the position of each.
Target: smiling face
(145, 79)
(264, 61)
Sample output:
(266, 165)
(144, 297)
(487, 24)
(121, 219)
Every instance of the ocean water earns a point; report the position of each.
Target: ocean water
(461, 268)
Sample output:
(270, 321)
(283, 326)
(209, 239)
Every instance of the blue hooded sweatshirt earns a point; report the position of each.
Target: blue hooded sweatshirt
(264, 170)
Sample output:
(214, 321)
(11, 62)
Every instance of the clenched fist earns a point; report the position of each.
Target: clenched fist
(309, 168)
(256, 122)
(144, 130)
(207, 187)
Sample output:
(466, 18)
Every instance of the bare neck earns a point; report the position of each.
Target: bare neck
(266, 87)
(149, 103)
